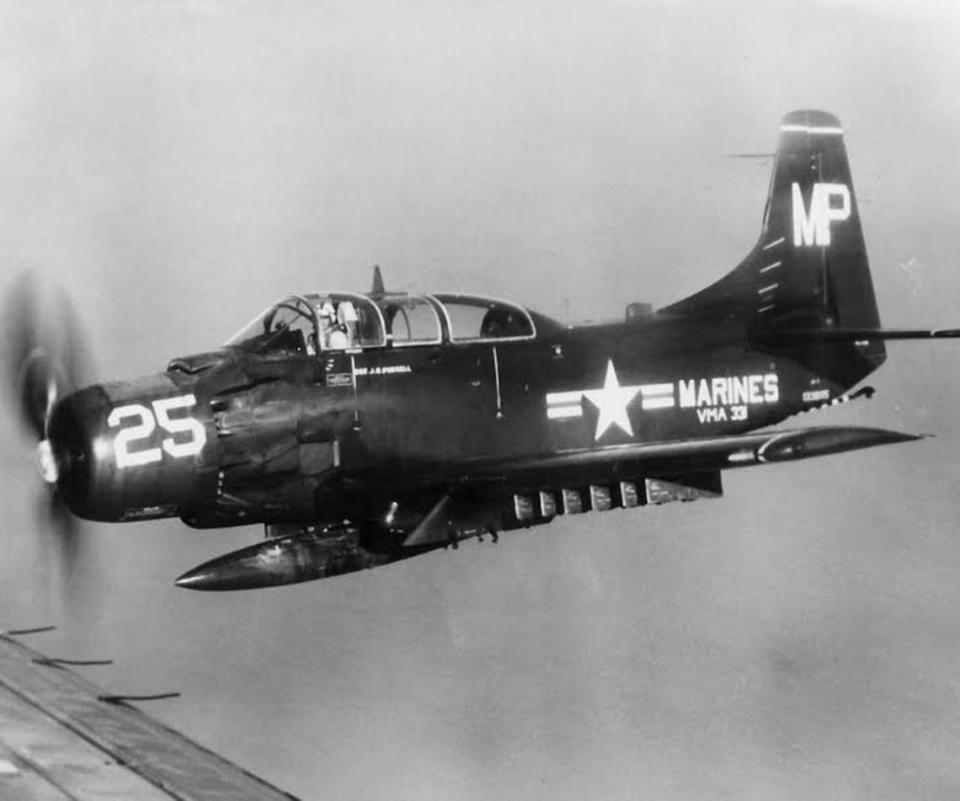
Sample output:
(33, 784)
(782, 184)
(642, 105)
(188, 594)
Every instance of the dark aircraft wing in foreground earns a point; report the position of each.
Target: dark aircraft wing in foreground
(59, 741)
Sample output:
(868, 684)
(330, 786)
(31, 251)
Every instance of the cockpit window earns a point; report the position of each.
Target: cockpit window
(410, 319)
(314, 323)
(473, 319)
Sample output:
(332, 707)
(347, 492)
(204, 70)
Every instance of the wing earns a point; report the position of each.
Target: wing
(701, 454)
(489, 484)
(684, 459)
(60, 740)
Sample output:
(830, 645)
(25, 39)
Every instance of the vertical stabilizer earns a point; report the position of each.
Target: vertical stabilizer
(813, 218)
(809, 268)
(810, 262)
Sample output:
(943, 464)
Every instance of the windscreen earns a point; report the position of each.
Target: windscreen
(287, 325)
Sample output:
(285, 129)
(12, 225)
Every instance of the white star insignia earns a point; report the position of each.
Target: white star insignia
(612, 401)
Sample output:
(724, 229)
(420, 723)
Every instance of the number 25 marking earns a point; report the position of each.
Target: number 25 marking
(147, 423)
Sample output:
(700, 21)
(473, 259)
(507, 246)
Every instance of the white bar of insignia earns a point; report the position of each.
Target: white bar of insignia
(658, 403)
(812, 129)
(561, 412)
(564, 397)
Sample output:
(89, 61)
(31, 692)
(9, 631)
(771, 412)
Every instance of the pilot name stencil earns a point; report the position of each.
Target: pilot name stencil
(385, 369)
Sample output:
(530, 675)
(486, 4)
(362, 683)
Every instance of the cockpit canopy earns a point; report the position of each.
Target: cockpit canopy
(344, 321)
(314, 323)
(475, 319)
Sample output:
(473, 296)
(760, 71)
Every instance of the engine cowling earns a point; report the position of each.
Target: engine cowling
(128, 450)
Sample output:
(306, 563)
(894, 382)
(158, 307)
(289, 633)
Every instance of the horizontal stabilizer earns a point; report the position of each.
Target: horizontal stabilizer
(800, 336)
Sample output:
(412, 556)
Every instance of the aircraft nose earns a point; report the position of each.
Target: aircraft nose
(69, 454)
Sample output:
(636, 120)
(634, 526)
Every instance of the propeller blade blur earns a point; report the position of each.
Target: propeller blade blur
(45, 358)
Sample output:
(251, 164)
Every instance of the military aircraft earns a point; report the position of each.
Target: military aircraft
(362, 429)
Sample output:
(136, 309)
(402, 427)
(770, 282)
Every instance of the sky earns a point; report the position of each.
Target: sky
(177, 166)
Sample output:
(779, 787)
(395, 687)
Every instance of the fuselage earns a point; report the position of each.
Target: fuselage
(341, 406)
(239, 436)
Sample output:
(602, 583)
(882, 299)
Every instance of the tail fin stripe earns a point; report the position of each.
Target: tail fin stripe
(812, 129)
(774, 243)
(768, 288)
(770, 267)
